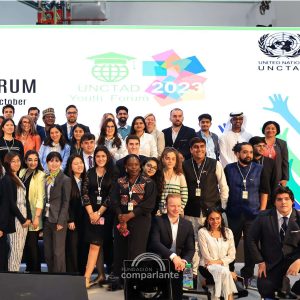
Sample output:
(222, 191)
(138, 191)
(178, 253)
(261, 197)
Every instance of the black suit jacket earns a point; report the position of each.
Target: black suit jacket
(182, 141)
(5, 204)
(281, 160)
(65, 130)
(41, 132)
(161, 238)
(265, 230)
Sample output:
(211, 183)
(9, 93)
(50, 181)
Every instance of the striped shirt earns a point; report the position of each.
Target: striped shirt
(176, 185)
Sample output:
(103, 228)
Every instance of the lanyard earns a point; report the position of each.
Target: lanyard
(99, 185)
(9, 148)
(244, 178)
(198, 178)
(130, 189)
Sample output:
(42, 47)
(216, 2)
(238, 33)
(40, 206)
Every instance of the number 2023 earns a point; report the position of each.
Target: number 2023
(171, 87)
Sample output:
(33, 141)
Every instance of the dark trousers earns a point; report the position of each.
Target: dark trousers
(133, 245)
(54, 247)
(4, 253)
(176, 283)
(76, 251)
(241, 225)
(267, 286)
(32, 253)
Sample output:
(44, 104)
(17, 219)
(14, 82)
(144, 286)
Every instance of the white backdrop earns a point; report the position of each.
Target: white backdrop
(58, 59)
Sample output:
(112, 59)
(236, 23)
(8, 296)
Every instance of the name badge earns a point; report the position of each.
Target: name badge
(102, 221)
(198, 192)
(99, 200)
(130, 206)
(245, 195)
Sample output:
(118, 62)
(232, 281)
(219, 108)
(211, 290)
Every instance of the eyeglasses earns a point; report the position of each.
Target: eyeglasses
(71, 112)
(151, 167)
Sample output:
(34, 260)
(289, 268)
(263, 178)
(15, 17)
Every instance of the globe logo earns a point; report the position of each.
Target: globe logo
(281, 44)
(110, 67)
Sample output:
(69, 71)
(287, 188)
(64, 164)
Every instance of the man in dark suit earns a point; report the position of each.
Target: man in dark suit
(133, 147)
(172, 237)
(71, 115)
(179, 136)
(274, 243)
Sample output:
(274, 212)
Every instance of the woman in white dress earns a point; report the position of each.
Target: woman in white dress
(217, 251)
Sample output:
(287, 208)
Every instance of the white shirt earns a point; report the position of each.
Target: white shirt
(174, 229)
(227, 142)
(114, 151)
(280, 219)
(86, 160)
(148, 145)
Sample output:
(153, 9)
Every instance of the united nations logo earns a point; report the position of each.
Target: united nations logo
(281, 44)
(110, 67)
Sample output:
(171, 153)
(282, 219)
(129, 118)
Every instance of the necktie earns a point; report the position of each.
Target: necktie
(283, 228)
(71, 132)
(90, 161)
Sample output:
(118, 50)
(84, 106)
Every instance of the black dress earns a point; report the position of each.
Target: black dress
(94, 234)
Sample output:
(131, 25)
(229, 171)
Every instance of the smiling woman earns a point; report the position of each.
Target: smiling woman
(27, 134)
(58, 191)
(7, 141)
(33, 179)
(55, 141)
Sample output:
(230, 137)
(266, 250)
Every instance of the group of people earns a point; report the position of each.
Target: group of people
(135, 188)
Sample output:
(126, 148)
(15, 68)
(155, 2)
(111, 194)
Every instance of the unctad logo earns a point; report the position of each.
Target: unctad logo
(281, 44)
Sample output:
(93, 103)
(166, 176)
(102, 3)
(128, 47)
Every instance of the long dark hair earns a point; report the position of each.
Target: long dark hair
(2, 125)
(75, 193)
(7, 161)
(39, 166)
(132, 130)
(73, 141)
(109, 166)
(62, 140)
(158, 176)
(101, 141)
(222, 227)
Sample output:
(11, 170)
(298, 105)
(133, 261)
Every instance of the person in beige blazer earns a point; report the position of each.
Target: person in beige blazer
(33, 179)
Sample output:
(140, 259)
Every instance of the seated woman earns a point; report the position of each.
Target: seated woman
(217, 251)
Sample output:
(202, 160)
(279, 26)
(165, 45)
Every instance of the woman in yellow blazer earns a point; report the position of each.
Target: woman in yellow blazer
(33, 179)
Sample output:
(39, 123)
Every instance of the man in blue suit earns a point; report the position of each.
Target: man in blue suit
(71, 115)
